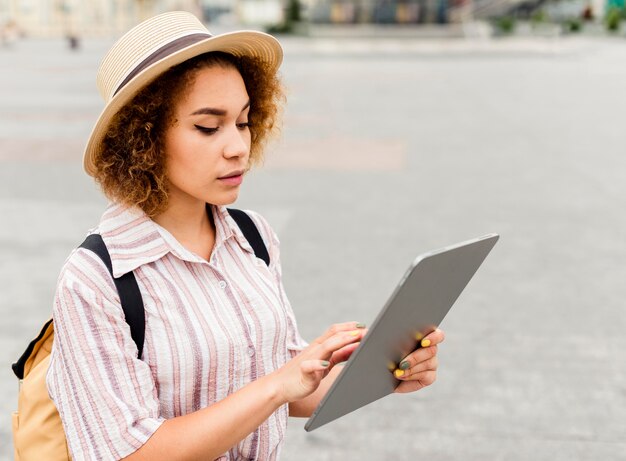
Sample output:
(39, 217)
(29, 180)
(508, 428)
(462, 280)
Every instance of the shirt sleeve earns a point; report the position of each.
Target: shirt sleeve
(295, 342)
(105, 395)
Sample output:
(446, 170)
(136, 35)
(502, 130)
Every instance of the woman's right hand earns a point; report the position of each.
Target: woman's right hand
(302, 375)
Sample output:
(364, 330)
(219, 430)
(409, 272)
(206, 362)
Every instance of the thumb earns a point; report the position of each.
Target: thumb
(313, 370)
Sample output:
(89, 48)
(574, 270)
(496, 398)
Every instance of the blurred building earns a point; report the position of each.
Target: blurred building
(106, 17)
(389, 11)
(111, 17)
(49, 18)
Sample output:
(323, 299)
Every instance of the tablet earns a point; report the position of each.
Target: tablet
(417, 306)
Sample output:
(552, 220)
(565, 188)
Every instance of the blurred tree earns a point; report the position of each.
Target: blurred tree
(293, 16)
(505, 25)
(294, 11)
(613, 19)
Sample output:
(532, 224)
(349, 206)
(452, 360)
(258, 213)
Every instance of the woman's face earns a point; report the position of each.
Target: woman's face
(208, 145)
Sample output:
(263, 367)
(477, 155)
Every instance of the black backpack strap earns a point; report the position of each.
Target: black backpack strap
(251, 233)
(18, 367)
(130, 296)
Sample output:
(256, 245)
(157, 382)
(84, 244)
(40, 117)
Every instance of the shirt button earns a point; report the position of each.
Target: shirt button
(259, 262)
(251, 351)
(222, 284)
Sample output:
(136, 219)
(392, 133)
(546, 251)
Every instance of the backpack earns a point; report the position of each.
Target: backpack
(37, 429)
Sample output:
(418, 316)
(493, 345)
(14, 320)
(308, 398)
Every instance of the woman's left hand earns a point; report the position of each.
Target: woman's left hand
(419, 369)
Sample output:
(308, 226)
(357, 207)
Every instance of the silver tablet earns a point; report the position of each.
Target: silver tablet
(417, 306)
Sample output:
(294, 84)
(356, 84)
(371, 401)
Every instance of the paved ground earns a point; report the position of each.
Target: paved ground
(392, 148)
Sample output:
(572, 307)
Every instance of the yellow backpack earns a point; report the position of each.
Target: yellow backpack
(37, 429)
(42, 431)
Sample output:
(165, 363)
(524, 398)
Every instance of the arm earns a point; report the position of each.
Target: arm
(207, 433)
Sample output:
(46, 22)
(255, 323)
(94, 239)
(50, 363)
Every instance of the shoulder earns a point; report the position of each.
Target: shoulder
(265, 229)
(268, 235)
(83, 271)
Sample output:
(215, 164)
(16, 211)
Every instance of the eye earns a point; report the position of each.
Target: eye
(206, 130)
(243, 125)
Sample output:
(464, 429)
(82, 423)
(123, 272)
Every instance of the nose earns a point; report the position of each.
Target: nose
(237, 143)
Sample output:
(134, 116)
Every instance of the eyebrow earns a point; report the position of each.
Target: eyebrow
(218, 112)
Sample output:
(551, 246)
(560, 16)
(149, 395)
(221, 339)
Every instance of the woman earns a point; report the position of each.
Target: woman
(223, 364)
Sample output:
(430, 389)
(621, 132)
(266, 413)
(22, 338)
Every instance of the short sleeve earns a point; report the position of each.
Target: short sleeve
(105, 395)
(295, 342)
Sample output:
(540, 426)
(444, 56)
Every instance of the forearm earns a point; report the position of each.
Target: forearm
(208, 433)
(304, 408)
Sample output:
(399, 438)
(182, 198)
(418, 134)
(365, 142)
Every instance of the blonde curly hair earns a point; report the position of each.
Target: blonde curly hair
(130, 164)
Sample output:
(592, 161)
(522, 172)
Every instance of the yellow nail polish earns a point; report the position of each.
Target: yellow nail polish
(419, 336)
(355, 333)
(425, 342)
(399, 373)
(391, 366)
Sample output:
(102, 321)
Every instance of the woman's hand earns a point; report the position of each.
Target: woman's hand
(302, 375)
(419, 369)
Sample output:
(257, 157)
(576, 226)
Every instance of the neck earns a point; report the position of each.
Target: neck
(191, 225)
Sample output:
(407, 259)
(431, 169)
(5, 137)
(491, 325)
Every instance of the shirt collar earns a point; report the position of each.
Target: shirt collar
(226, 228)
(133, 239)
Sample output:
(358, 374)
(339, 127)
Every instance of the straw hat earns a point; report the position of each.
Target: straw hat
(153, 47)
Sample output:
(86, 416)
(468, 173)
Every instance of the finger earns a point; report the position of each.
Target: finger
(338, 328)
(312, 366)
(426, 379)
(326, 349)
(435, 337)
(418, 356)
(313, 371)
(344, 353)
(428, 365)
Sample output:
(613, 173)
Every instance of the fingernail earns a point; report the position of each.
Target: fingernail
(399, 373)
(360, 325)
(325, 363)
(425, 342)
(404, 365)
(355, 333)
(419, 336)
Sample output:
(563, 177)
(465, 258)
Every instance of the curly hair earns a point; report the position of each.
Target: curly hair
(131, 163)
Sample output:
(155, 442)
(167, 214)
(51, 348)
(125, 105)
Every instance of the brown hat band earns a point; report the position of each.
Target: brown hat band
(163, 52)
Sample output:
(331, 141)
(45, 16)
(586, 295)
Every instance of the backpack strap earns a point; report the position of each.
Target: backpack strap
(19, 367)
(251, 233)
(130, 296)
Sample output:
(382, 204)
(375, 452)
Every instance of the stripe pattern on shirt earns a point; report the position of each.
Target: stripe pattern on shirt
(211, 328)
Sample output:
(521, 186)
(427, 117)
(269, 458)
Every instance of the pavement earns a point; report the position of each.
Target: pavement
(391, 148)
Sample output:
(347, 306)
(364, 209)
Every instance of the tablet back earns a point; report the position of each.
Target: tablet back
(421, 300)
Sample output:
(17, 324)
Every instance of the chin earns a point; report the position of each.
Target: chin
(224, 200)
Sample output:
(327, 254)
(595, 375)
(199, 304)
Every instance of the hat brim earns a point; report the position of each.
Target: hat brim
(241, 43)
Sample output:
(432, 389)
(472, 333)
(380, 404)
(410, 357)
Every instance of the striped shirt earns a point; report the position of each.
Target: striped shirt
(211, 328)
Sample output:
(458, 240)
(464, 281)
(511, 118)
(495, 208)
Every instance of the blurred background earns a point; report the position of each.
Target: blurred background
(410, 125)
(102, 18)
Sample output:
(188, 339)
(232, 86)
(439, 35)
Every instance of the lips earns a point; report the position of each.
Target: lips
(232, 179)
(232, 174)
